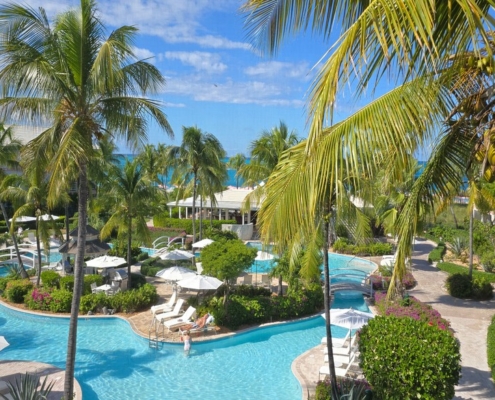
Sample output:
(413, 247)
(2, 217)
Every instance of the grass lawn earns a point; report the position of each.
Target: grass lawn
(455, 268)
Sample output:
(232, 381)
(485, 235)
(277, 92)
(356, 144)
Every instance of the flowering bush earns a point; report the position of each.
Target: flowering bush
(382, 282)
(412, 308)
(39, 299)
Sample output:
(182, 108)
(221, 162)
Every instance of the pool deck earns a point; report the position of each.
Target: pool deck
(11, 370)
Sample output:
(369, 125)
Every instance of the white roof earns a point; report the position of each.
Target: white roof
(231, 199)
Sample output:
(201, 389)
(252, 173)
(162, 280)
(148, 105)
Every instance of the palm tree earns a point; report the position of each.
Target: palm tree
(129, 198)
(149, 158)
(9, 154)
(31, 194)
(236, 163)
(165, 163)
(84, 86)
(198, 157)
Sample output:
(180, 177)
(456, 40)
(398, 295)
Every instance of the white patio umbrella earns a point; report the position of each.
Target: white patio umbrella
(175, 255)
(202, 243)
(200, 282)
(175, 273)
(47, 217)
(349, 318)
(3, 343)
(24, 218)
(106, 262)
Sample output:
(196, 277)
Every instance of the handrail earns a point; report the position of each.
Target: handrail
(160, 238)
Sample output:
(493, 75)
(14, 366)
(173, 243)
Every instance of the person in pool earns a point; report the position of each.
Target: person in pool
(186, 338)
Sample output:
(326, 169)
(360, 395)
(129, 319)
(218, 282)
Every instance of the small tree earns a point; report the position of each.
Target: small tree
(427, 365)
(225, 260)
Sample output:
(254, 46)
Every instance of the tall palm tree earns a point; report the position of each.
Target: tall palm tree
(165, 163)
(9, 156)
(30, 194)
(236, 163)
(198, 157)
(149, 158)
(129, 198)
(83, 85)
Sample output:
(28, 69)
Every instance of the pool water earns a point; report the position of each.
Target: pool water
(114, 363)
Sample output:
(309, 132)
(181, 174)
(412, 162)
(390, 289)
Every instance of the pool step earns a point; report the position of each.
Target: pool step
(155, 343)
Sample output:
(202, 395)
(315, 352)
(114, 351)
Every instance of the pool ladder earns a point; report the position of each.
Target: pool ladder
(154, 341)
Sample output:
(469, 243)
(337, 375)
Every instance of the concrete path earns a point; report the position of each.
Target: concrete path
(469, 319)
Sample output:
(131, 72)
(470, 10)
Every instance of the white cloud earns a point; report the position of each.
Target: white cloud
(144, 54)
(251, 92)
(173, 105)
(272, 69)
(201, 61)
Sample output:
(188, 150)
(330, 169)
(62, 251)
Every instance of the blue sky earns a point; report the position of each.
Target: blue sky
(215, 79)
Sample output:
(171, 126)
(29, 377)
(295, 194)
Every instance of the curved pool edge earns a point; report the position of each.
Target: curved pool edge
(9, 370)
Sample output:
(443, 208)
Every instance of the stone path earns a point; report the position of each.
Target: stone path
(469, 319)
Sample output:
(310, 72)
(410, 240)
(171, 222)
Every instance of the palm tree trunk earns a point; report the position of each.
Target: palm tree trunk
(201, 217)
(38, 249)
(67, 237)
(194, 209)
(326, 296)
(24, 274)
(129, 253)
(471, 217)
(78, 282)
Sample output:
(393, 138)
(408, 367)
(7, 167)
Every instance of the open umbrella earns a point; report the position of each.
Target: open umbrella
(48, 217)
(175, 255)
(200, 282)
(348, 318)
(202, 243)
(175, 273)
(3, 343)
(106, 262)
(24, 218)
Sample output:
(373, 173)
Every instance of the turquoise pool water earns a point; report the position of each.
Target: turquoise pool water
(115, 363)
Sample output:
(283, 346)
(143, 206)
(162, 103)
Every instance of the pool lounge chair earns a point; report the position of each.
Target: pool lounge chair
(343, 350)
(166, 307)
(171, 314)
(342, 372)
(185, 319)
(338, 342)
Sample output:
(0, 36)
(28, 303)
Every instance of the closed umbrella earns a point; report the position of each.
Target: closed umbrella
(175, 255)
(48, 217)
(175, 273)
(200, 282)
(3, 343)
(106, 262)
(24, 218)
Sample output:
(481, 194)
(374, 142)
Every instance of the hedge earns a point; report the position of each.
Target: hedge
(373, 249)
(454, 268)
(425, 366)
(185, 224)
(17, 289)
(461, 286)
(436, 255)
(491, 346)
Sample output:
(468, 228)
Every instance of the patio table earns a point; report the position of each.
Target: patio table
(103, 288)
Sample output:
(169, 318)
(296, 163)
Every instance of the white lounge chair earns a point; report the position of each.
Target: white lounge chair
(338, 342)
(343, 350)
(342, 359)
(342, 372)
(171, 314)
(166, 307)
(185, 319)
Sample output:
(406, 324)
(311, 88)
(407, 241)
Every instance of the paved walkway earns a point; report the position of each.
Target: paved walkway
(469, 319)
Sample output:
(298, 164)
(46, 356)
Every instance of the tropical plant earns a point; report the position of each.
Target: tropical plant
(84, 86)
(149, 159)
(236, 163)
(198, 161)
(26, 388)
(128, 199)
(458, 246)
(9, 154)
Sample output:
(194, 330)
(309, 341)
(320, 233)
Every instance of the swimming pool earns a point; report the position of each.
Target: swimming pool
(113, 362)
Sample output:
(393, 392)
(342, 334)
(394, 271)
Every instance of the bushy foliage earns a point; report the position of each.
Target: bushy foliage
(455, 268)
(119, 249)
(344, 246)
(17, 289)
(458, 246)
(488, 261)
(88, 280)
(446, 233)
(482, 289)
(61, 301)
(356, 389)
(39, 299)
(403, 369)
(491, 346)
(143, 256)
(50, 279)
(383, 282)
(460, 285)
(134, 300)
(164, 221)
(94, 302)
(148, 269)
(67, 283)
(137, 281)
(243, 310)
(217, 234)
(437, 253)
(3, 282)
(412, 308)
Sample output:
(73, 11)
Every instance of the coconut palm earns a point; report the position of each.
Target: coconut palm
(9, 155)
(199, 157)
(129, 198)
(29, 194)
(236, 163)
(149, 158)
(84, 86)
(165, 162)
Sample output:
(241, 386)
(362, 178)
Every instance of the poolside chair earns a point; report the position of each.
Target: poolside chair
(343, 359)
(185, 319)
(31, 238)
(114, 288)
(171, 314)
(166, 307)
(343, 350)
(248, 280)
(342, 372)
(338, 342)
(266, 280)
(93, 288)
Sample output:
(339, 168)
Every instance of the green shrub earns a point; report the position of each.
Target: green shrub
(143, 256)
(459, 285)
(437, 253)
(17, 289)
(89, 279)
(491, 346)
(358, 389)
(39, 299)
(458, 246)
(50, 279)
(488, 261)
(185, 224)
(148, 269)
(342, 245)
(94, 302)
(454, 268)
(61, 301)
(3, 282)
(482, 289)
(67, 283)
(137, 281)
(402, 369)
